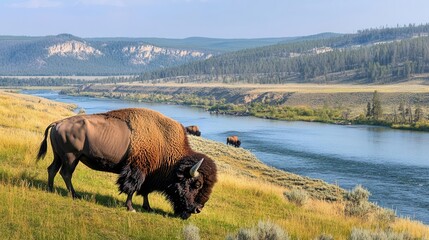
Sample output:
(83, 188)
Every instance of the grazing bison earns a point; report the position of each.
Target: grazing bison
(148, 150)
(233, 140)
(193, 130)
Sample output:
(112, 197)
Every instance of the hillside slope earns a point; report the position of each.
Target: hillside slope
(350, 97)
(66, 54)
(247, 191)
(369, 56)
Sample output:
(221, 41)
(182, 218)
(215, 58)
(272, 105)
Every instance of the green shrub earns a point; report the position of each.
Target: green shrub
(360, 234)
(358, 204)
(358, 195)
(247, 234)
(191, 232)
(265, 230)
(385, 215)
(325, 237)
(363, 234)
(81, 111)
(297, 196)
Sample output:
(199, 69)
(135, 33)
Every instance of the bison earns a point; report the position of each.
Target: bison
(148, 150)
(193, 130)
(233, 140)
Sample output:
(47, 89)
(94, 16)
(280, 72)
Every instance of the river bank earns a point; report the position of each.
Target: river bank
(336, 105)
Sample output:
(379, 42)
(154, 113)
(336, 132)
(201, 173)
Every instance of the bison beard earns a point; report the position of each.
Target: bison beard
(197, 189)
(149, 151)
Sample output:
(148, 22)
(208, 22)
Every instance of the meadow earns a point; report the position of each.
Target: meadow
(247, 192)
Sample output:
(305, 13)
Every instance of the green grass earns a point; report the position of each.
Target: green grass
(247, 192)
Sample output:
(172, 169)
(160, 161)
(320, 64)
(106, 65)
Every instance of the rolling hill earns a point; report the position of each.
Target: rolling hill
(368, 56)
(65, 54)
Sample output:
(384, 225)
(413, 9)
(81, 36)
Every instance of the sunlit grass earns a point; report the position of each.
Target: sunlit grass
(247, 191)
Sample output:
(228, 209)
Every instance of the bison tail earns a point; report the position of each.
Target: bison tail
(44, 145)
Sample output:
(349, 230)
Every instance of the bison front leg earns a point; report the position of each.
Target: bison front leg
(146, 205)
(130, 181)
(129, 202)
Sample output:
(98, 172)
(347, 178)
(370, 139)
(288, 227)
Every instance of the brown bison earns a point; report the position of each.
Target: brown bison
(148, 150)
(193, 130)
(233, 140)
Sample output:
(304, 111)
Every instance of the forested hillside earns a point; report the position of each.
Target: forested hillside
(208, 44)
(66, 54)
(369, 56)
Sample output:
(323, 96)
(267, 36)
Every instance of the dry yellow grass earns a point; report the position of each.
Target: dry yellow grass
(410, 87)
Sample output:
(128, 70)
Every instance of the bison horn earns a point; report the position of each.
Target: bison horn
(194, 170)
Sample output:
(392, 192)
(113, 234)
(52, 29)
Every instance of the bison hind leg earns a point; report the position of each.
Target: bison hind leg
(130, 181)
(53, 170)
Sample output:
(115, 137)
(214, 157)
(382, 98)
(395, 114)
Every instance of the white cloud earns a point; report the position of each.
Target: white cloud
(36, 4)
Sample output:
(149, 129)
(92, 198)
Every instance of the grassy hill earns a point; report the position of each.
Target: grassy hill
(247, 192)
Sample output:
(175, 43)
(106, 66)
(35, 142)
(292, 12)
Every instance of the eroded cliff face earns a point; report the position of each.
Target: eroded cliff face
(73, 48)
(138, 54)
(145, 53)
(65, 54)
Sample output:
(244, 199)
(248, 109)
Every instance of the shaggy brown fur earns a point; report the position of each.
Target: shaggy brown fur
(156, 140)
(233, 140)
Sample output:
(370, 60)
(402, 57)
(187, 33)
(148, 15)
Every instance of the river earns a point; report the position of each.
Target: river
(392, 164)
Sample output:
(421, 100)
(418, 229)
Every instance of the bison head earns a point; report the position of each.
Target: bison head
(195, 177)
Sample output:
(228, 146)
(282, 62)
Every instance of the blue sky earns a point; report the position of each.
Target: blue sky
(205, 18)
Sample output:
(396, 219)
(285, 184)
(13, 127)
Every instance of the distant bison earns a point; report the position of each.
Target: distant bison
(148, 150)
(233, 140)
(193, 130)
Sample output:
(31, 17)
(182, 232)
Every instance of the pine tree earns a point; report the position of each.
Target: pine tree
(368, 110)
(401, 110)
(377, 110)
(418, 114)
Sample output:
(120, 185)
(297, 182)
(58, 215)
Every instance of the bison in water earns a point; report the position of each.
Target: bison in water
(148, 150)
(193, 130)
(233, 140)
